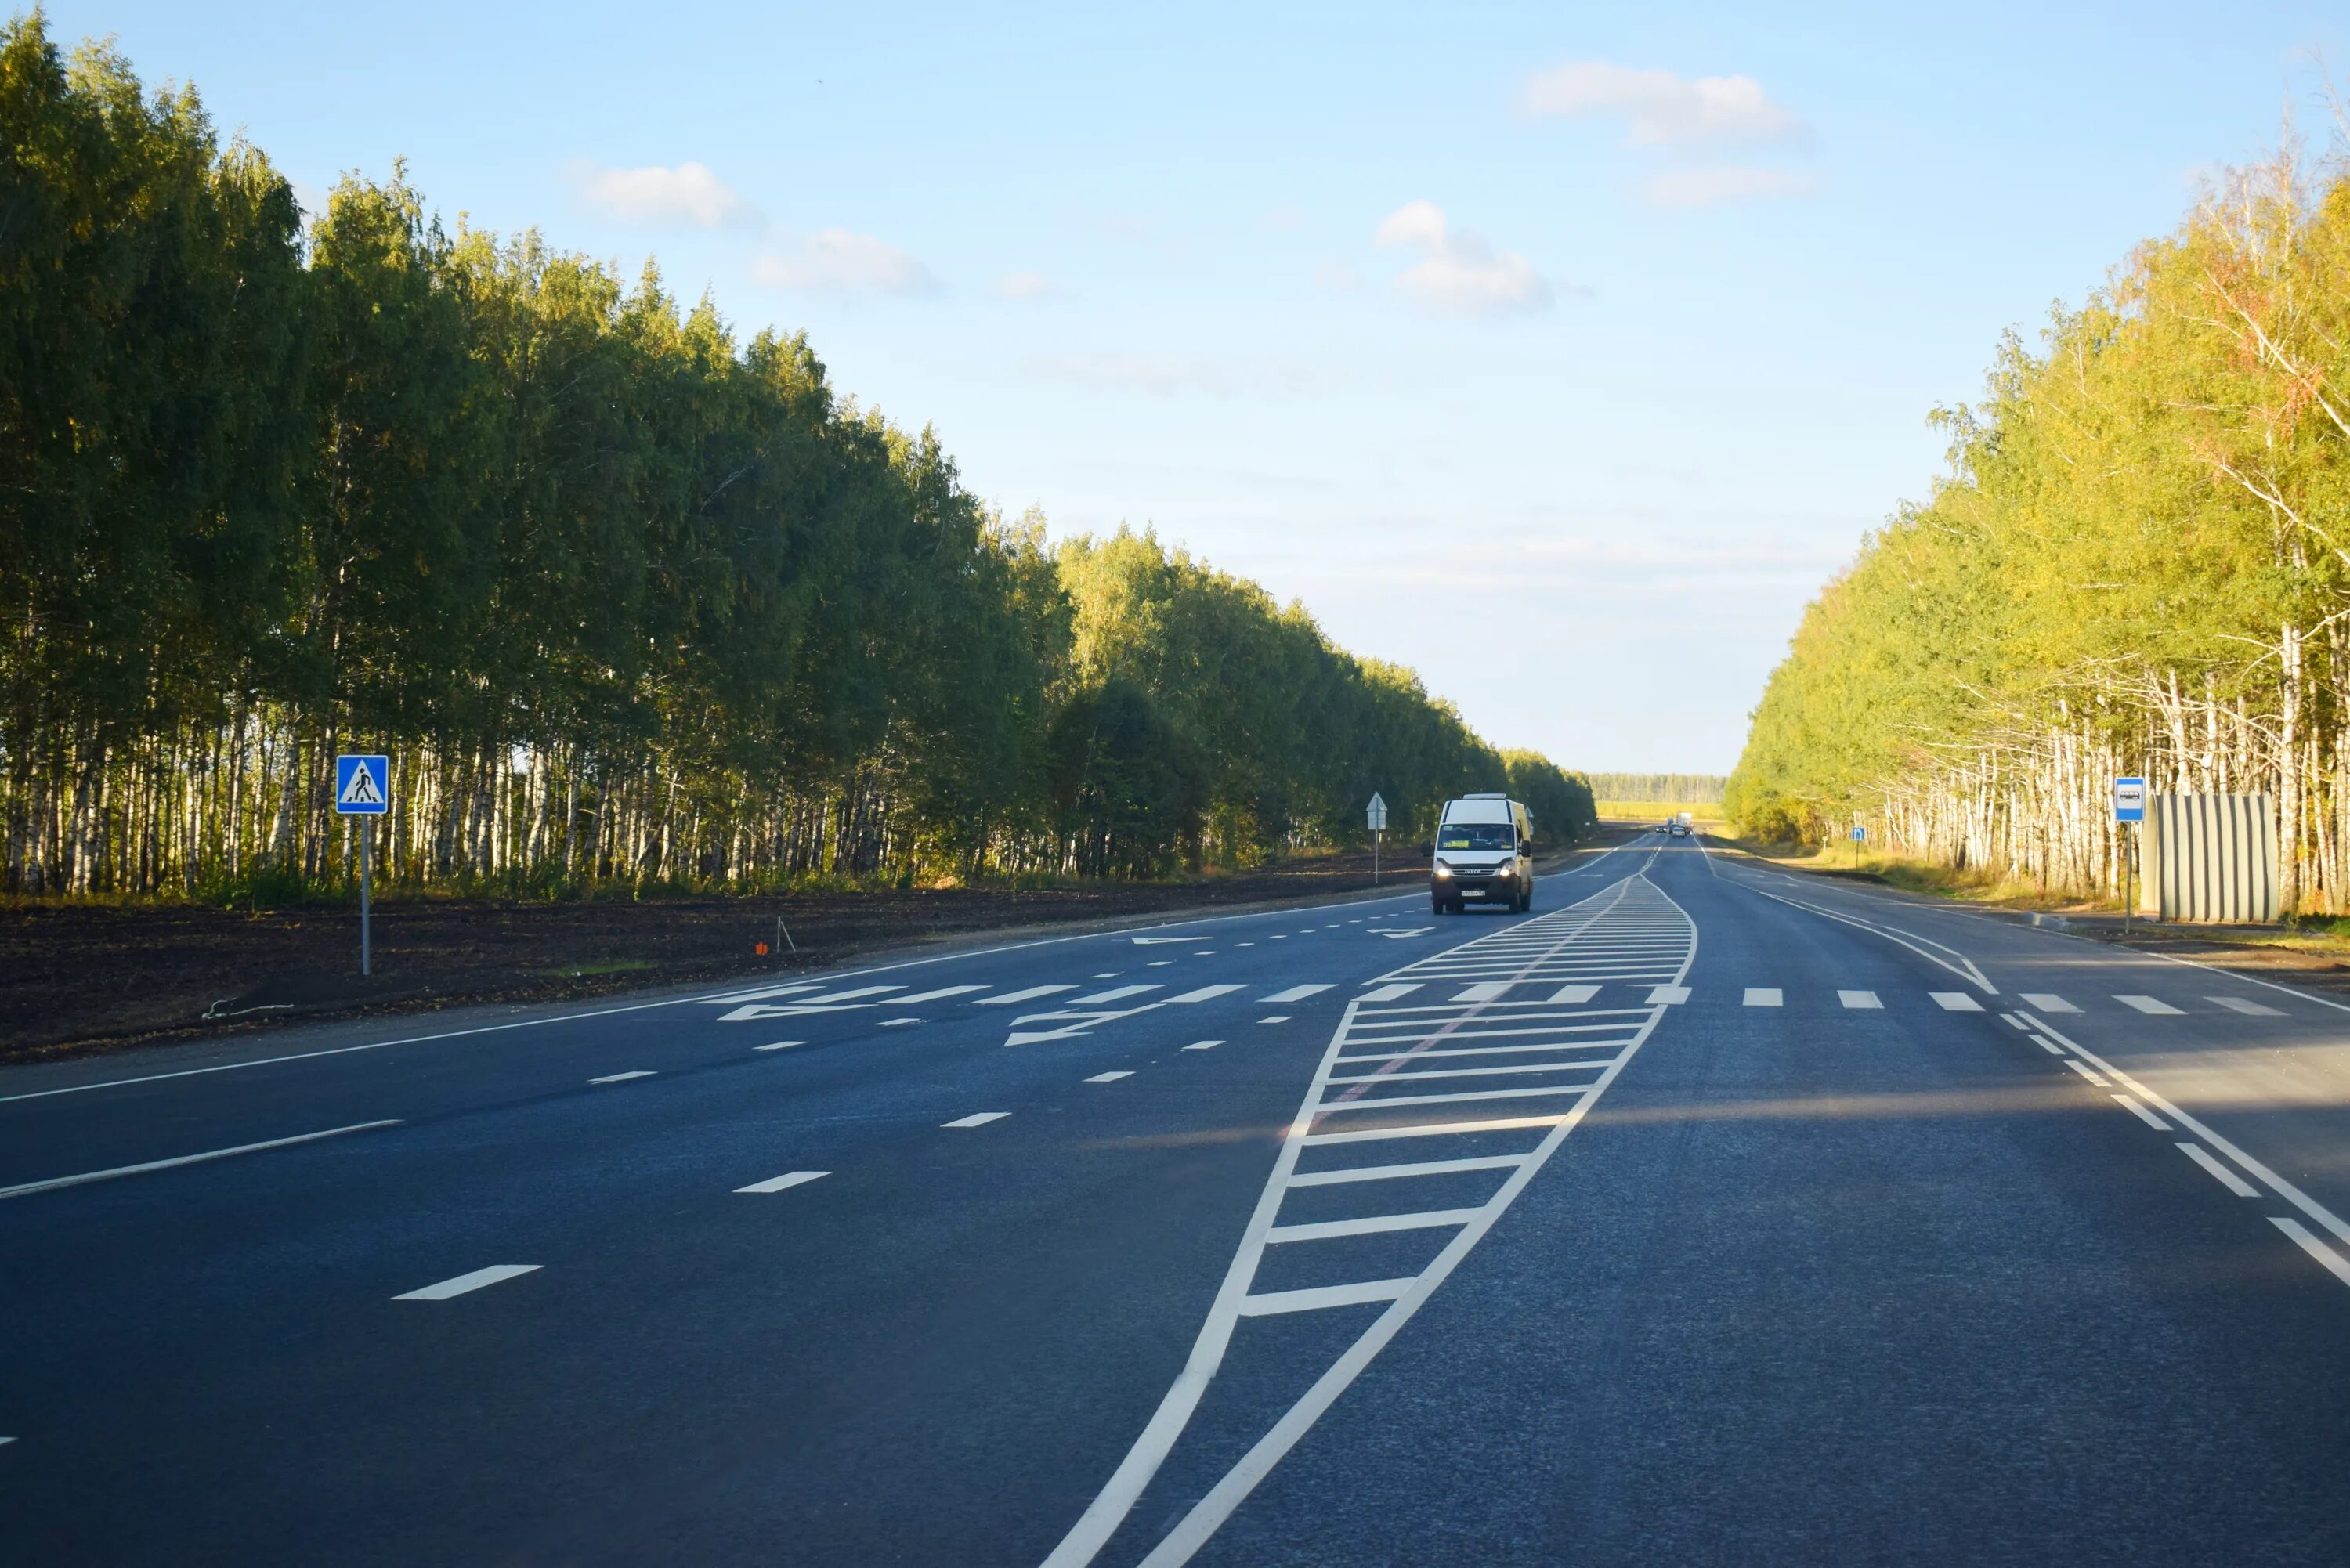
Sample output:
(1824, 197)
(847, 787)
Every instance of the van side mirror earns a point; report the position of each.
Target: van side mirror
(1525, 846)
(1426, 850)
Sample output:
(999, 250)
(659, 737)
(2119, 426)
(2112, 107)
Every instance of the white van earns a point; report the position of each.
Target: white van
(1484, 849)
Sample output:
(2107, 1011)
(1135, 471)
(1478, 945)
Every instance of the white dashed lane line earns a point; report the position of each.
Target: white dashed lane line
(780, 1045)
(495, 1273)
(2309, 1243)
(788, 1180)
(1203, 1045)
(1276, 1018)
(2141, 1113)
(896, 1023)
(1030, 995)
(976, 1119)
(1955, 1002)
(1859, 1000)
(2250, 1009)
(1107, 1077)
(2096, 1078)
(2217, 1172)
(1205, 994)
(2048, 1001)
(621, 1077)
(1298, 993)
(1114, 993)
(1764, 996)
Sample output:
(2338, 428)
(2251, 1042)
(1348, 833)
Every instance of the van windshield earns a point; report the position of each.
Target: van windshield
(1476, 836)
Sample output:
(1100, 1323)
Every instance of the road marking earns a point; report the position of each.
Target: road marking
(2150, 1005)
(1955, 1002)
(1205, 952)
(1205, 994)
(1107, 1077)
(828, 998)
(54, 1182)
(5, 1441)
(494, 1274)
(1114, 993)
(976, 1119)
(1420, 1168)
(1009, 996)
(1371, 1225)
(1243, 944)
(1488, 991)
(2048, 1045)
(2096, 1078)
(621, 1077)
(2048, 1001)
(1276, 1018)
(789, 1178)
(1764, 996)
(2217, 1172)
(1668, 995)
(1281, 936)
(2014, 1022)
(1364, 1293)
(1571, 995)
(1295, 993)
(2250, 1009)
(1389, 992)
(1859, 1000)
(943, 992)
(2313, 1246)
(1158, 963)
(1111, 974)
(780, 1045)
(1203, 1045)
(2141, 1113)
(896, 1023)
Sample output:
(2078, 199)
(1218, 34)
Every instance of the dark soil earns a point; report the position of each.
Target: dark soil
(80, 977)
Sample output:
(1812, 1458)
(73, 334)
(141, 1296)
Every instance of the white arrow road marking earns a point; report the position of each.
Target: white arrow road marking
(494, 1274)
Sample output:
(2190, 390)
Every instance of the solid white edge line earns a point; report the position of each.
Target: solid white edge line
(2141, 1113)
(2277, 1184)
(53, 1183)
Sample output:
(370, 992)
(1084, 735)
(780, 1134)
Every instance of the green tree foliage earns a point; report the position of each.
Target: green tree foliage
(627, 600)
(2135, 563)
(1684, 788)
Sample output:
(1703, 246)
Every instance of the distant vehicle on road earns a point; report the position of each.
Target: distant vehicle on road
(1484, 849)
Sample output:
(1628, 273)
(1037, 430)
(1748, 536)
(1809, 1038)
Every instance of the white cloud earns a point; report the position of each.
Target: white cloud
(689, 195)
(1026, 285)
(1460, 273)
(1722, 184)
(834, 261)
(1658, 108)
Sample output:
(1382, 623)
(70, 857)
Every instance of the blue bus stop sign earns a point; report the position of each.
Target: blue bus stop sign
(363, 784)
(2130, 800)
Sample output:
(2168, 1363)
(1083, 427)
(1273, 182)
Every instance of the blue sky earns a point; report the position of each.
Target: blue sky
(1559, 352)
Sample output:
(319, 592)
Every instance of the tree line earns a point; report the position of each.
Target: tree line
(1686, 789)
(2137, 561)
(626, 599)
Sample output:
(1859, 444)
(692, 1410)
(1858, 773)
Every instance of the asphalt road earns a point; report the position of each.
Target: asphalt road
(1707, 1214)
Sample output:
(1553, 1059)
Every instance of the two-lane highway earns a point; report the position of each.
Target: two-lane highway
(1705, 1214)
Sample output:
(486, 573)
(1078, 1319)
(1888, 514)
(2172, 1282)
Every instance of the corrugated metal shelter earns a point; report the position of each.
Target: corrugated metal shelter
(2210, 858)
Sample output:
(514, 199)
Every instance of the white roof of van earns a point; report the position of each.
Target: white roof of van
(1479, 808)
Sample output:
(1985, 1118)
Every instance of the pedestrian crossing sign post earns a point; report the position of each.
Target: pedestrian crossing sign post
(363, 788)
(1376, 818)
(1859, 836)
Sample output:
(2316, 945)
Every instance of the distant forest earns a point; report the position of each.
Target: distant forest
(2137, 563)
(1688, 789)
(629, 602)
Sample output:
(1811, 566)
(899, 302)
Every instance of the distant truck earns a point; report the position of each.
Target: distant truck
(1686, 821)
(1484, 849)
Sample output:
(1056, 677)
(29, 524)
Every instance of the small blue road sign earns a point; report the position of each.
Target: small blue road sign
(363, 784)
(1859, 834)
(2130, 800)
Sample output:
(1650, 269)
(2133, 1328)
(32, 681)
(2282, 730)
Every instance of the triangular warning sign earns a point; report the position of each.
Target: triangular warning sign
(361, 788)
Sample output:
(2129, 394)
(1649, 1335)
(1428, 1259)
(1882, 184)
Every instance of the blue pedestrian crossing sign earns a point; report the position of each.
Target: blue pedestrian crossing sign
(363, 784)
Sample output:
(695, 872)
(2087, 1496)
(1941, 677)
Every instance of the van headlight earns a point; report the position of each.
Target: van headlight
(1505, 871)
(1442, 869)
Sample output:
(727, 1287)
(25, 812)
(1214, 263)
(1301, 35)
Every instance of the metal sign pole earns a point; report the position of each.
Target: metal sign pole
(367, 842)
